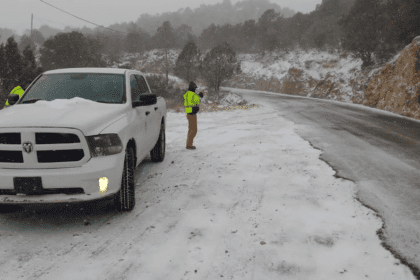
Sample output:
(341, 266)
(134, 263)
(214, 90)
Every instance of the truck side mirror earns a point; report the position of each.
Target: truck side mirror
(145, 100)
(13, 98)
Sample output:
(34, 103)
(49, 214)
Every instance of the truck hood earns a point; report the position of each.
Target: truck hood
(88, 116)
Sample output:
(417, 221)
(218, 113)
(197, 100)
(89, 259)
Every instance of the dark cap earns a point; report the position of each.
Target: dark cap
(192, 86)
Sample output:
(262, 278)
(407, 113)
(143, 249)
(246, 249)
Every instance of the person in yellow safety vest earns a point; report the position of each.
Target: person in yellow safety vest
(17, 90)
(191, 102)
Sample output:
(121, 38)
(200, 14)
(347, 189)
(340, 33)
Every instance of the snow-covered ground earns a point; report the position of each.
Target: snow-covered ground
(254, 201)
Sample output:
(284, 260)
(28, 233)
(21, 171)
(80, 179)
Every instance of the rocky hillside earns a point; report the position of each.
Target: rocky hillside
(395, 87)
(318, 74)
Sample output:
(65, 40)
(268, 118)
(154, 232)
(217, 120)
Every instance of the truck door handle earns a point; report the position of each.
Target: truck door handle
(156, 108)
(147, 112)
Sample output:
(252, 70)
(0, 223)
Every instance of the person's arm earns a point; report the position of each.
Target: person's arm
(196, 99)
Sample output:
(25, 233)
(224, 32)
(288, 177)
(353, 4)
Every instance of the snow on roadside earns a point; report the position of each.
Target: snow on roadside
(271, 208)
(231, 99)
(254, 201)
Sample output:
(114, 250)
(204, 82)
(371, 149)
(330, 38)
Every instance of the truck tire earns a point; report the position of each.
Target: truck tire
(158, 152)
(125, 199)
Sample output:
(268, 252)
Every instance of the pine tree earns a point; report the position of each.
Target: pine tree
(135, 41)
(165, 38)
(248, 35)
(208, 38)
(268, 25)
(183, 35)
(2, 63)
(31, 69)
(14, 64)
(362, 29)
(407, 20)
(69, 50)
(25, 41)
(219, 64)
(37, 37)
(187, 64)
(389, 43)
(298, 24)
(2, 73)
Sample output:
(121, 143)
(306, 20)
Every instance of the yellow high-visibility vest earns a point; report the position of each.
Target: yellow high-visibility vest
(191, 99)
(17, 90)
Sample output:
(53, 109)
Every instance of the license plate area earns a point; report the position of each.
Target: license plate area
(28, 185)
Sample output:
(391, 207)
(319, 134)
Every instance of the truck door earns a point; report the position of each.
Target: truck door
(153, 125)
(140, 120)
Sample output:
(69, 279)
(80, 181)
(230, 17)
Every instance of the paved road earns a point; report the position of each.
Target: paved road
(377, 150)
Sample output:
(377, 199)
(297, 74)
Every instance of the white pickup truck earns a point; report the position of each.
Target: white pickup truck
(77, 135)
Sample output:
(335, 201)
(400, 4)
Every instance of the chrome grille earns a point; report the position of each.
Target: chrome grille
(56, 138)
(60, 155)
(39, 147)
(11, 156)
(10, 138)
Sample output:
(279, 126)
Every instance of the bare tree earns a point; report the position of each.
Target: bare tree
(165, 38)
(219, 64)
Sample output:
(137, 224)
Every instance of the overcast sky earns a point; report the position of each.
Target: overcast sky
(16, 14)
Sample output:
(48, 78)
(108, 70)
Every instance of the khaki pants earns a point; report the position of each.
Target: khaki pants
(192, 129)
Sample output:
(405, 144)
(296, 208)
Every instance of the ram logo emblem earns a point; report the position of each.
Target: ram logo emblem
(27, 147)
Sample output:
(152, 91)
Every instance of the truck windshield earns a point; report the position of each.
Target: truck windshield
(104, 88)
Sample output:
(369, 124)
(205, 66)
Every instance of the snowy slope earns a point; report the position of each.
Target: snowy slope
(300, 73)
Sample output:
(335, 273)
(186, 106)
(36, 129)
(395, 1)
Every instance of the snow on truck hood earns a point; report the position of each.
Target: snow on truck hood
(88, 116)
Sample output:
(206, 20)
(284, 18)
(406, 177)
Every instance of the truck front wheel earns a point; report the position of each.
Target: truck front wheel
(125, 199)
(158, 152)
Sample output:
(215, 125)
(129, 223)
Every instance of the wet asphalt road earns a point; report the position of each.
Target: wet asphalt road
(378, 151)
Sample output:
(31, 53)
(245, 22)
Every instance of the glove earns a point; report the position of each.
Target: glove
(201, 94)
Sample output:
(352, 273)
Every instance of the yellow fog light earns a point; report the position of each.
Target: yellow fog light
(103, 184)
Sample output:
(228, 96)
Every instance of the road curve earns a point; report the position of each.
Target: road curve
(377, 150)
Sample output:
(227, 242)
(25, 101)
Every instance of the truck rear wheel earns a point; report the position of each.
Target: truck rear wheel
(158, 152)
(125, 199)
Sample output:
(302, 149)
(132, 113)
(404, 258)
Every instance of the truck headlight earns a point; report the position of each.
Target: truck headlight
(104, 144)
(103, 184)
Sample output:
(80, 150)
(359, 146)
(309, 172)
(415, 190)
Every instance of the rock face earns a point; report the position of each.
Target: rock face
(328, 88)
(396, 87)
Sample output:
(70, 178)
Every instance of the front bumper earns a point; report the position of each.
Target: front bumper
(85, 177)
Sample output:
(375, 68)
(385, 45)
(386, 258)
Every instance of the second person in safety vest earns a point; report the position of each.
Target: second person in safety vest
(17, 90)
(191, 102)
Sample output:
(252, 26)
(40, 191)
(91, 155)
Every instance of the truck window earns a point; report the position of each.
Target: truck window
(135, 88)
(105, 88)
(143, 85)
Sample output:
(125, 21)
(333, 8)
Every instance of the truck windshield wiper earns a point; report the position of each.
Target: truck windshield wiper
(103, 101)
(31, 100)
